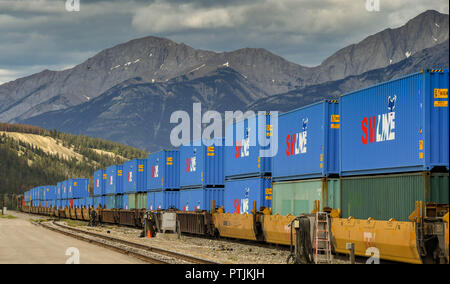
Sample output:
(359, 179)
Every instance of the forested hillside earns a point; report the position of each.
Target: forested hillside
(31, 156)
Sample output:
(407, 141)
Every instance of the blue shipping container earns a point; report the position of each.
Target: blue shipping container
(159, 201)
(240, 194)
(202, 166)
(110, 201)
(151, 200)
(135, 176)
(397, 126)
(247, 156)
(119, 202)
(78, 188)
(114, 184)
(49, 192)
(77, 203)
(89, 201)
(99, 201)
(163, 200)
(200, 198)
(59, 190)
(100, 179)
(125, 202)
(308, 142)
(40, 193)
(64, 203)
(65, 187)
(163, 171)
(34, 194)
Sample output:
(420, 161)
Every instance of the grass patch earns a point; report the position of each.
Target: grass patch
(8, 217)
(75, 223)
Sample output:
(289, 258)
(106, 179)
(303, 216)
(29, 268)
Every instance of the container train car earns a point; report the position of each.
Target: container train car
(376, 160)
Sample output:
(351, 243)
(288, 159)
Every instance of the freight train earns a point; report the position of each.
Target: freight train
(376, 160)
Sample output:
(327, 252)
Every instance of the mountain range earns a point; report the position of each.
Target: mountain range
(127, 93)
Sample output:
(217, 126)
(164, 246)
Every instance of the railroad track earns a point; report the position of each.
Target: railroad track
(143, 252)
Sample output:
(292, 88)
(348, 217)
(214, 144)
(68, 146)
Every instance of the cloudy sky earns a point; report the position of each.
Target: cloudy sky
(40, 34)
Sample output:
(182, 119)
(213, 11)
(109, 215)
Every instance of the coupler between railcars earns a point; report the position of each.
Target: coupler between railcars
(431, 226)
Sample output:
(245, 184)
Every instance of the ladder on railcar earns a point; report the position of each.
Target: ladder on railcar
(322, 238)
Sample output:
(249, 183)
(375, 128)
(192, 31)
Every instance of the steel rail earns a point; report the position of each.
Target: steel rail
(176, 255)
(124, 251)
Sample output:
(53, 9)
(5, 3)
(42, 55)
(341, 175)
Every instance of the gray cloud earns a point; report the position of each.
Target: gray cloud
(42, 34)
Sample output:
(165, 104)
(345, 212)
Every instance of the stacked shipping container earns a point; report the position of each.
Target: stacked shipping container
(100, 180)
(114, 186)
(307, 156)
(202, 175)
(248, 164)
(135, 184)
(163, 180)
(398, 130)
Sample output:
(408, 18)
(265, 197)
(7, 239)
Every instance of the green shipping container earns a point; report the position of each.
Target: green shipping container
(131, 201)
(333, 193)
(141, 200)
(296, 197)
(391, 196)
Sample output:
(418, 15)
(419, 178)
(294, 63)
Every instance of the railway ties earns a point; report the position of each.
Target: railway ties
(145, 253)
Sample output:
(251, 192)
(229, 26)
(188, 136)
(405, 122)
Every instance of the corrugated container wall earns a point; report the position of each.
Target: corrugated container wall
(41, 194)
(202, 166)
(79, 188)
(129, 201)
(110, 201)
(64, 203)
(247, 156)
(77, 203)
(100, 179)
(297, 197)
(163, 200)
(135, 176)
(201, 198)
(70, 189)
(65, 187)
(49, 192)
(99, 201)
(391, 196)
(151, 205)
(59, 190)
(89, 201)
(240, 194)
(397, 126)
(141, 200)
(308, 140)
(119, 202)
(163, 171)
(114, 183)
